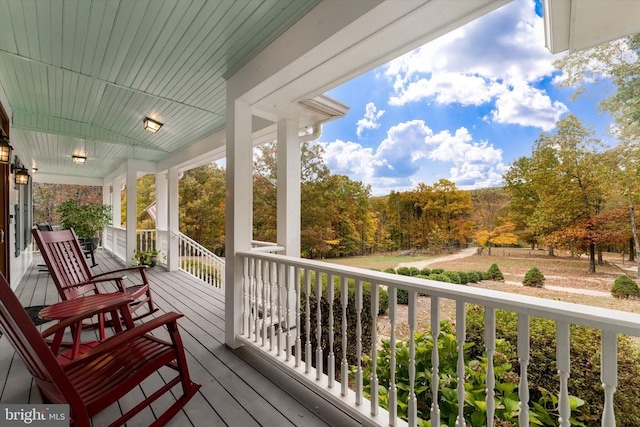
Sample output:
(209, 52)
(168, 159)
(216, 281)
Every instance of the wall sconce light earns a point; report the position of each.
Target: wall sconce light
(21, 173)
(78, 160)
(5, 149)
(151, 125)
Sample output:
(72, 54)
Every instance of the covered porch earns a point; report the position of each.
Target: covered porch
(238, 388)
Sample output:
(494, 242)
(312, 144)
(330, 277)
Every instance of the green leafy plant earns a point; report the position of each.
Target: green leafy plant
(494, 273)
(542, 412)
(149, 258)
(625, 287)
(85, 219)
(534, 278)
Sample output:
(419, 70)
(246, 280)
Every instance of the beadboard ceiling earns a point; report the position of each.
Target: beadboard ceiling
(81, 75)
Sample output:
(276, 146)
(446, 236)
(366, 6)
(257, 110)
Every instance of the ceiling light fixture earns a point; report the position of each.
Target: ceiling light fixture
(151, 125)
(5, 149)
(78, 160)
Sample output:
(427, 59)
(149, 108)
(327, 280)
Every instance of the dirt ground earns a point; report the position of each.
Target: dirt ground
(567, 279)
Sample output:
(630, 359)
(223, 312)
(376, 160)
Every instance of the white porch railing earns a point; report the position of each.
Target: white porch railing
(200, 262)
(115, 240)
(276, 287)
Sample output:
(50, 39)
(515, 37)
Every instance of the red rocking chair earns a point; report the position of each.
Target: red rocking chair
(65, 260)
(106, 372)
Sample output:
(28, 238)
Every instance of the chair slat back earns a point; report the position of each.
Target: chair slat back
(65, 260)
(29, 344)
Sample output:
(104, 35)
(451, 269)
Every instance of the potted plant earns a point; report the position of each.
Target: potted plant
(149, 258)
(85, 219)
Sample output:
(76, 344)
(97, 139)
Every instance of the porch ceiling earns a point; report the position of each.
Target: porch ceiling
(80, 76)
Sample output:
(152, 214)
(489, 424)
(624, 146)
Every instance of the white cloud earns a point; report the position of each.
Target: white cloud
(413, 153)
(488, 60)
(370, 119)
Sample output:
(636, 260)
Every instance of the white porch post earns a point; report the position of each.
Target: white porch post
(132, 217)
(239, 209)
(289, 187)
(116, 202)
(289, 198)
(173, 257)
(162, 206)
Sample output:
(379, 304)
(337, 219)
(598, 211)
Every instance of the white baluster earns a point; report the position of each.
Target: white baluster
(265, 301)
(563, 345)
(359, 342)
(461, 336)
(272, 304)
(490, 345)
(256, 295)
(413, 402)
(435, 361)
(246, 284)
(298, 344)
(331, 359)
(374, 350)
(344, 367)
(393, 390)
(307, 320)
(277, 325)
(523, 359)
(319, 366)
(609, 375)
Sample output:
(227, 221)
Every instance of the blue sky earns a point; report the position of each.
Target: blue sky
(462, 107)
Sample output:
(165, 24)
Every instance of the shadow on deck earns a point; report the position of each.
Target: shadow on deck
(238, 387)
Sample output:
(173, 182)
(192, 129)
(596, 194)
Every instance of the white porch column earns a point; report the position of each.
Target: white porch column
(289, 197)
(239, 210)
(116, 202)
(132, 207)
(173, 257)
(289, 187)
(162, 206)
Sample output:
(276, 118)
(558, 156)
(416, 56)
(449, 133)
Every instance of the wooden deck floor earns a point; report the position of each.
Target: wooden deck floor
(238, 389)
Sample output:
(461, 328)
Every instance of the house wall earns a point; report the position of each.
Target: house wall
(17, 264)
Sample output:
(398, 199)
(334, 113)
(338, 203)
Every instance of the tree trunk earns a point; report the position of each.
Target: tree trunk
(632, 250)
(551, 251)
(600, 260)
(592, 258)
(634, 230)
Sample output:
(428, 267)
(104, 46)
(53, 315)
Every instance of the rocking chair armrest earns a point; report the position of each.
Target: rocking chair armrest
(125, 269)
(124, 300)
(118, 279)
(117, 341)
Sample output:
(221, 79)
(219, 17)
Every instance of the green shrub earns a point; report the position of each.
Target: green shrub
(464, 277)
(534, 278)
(625, 287)
(441, 277)
(425, 271)
(437, 270)
(413, 271)
(584, 382)
(402, 296)
(454, 276)
(482, 275)
(404, 271)
(390, 270)
(494, 273)
(544, 411)
(366, 319)
(474, 277)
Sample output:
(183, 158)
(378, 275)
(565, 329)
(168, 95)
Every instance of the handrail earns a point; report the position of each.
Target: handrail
(199, 261)
(277, 321)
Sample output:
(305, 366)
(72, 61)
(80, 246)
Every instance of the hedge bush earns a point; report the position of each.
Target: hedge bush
(494, 273)
(474, 276)
(454, 276)
(464, 277)
(437, 270)
(402, 296)
(584, 381)
(425, 271)
(625, 287)
(534, 278)
(404, 271)
(440, 277)
(366, 320)
(390, 270)
(413, 271)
